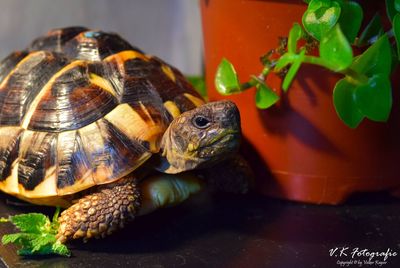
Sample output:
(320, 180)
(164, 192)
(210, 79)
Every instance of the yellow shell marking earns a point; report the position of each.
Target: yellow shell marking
(87, 179)
(196, 101)
(27, 57)
(10, 184)
(28, 115)
(48, 184)
(126, 55)
(172, 109)
(102, 83)
(146, 111)
(47, 187)
(167, 70)
(127, 120)
(121, 57)
(83, 183)
(95, 142)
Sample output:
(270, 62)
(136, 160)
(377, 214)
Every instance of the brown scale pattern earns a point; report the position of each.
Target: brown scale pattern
(24, 83)
(9, 63)
(102, 212)
(168, 89)
(95, 45)
(71, 102)
(9, 145)
(55, 39)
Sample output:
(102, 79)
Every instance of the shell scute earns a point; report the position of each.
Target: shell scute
(10, 62)
(36, 156)
(19, 89)
(111, 153)
(56, 39)
(9, 146)
(95, 45)
(73, 167)
(71, 101)
(82, 108)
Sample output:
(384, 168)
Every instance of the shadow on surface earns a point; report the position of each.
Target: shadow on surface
(204, 216)
(224, 230)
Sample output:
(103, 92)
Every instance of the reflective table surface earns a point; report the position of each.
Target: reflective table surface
(224, 230)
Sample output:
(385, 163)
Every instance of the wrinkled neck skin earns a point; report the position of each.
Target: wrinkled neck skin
(172, 159)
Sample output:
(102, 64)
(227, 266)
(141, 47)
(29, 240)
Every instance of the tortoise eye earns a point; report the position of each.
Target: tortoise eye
(201, 122)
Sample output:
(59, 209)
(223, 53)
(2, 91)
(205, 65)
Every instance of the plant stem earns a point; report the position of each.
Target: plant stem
(247, 85)
(265, 72)
(354, 77)
(253, 82)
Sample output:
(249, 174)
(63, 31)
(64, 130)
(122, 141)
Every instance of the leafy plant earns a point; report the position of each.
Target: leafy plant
(37, 236)
(199, 84)
(332, 27)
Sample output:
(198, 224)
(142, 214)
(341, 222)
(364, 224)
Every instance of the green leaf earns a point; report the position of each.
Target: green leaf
(42, 241)
(335, 50)
(374, 99)
(22, 239)
(376, 59)
(390, 9)
(60, 249)
(30, 223)
(49, 249)
(397, 5)
(265, 96)
(198, 82)
(294, 36)
(345, 106)
(291, 74)
(320, 17)
(38, 236)
(396, 31)
(372, 31)
(285, 60)
(226, 79)
(350, 20)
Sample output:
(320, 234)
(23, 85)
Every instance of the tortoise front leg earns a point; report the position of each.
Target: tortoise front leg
(233, 175)
(102, 212)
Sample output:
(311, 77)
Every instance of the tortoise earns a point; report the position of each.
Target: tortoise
(93, 124)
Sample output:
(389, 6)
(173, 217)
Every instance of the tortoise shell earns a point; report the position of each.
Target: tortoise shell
(80, 108)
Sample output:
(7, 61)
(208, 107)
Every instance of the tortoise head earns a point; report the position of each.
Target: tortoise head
(201, 137)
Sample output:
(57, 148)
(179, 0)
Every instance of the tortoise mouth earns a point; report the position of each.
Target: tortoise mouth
(220, 145)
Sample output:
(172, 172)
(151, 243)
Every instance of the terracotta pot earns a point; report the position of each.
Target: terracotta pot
(299, 149)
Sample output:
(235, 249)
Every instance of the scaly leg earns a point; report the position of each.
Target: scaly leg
(100, 213)
(111, 206)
